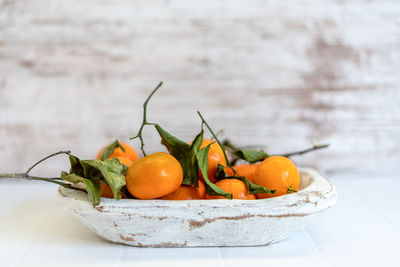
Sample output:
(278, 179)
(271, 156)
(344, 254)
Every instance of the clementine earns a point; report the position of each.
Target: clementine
(237, 188)
(129, 153)
(127, 162)
(187, 192)
(246, 170)
(277, 173)
(215, 157)
(154, 176)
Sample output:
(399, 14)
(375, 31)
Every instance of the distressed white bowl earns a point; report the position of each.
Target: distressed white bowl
(166, 223)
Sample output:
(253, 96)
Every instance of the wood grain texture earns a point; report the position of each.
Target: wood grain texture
(74, 74)
(203, 223)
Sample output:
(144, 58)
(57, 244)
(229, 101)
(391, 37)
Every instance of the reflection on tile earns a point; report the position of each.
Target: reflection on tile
(24, 208)
(365, 256)
(298, 249)
(8, 259)
(352, 221)
(382, 194)
(177, 257)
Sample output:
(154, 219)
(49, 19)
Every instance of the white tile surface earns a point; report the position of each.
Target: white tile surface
(353, 221)
(362, 230)
(382, 195)
(365, 256)
(8, 258)
(177, 257)
(283, 253)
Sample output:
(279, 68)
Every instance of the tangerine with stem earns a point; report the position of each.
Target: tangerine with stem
(277, 173)
(245, 170)
(215, 157)
(129, 153)
(237, 188)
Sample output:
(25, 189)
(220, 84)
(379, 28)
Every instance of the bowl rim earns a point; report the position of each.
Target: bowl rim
(316, 196)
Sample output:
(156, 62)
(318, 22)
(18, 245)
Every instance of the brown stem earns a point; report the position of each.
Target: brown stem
(301, 152)
(232, 149)
(36, 178)
(26, 175)
(144, 122)
(219, 143)
(13, 175)
(49, 156)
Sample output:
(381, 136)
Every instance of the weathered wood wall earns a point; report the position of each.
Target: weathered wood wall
(73, 74)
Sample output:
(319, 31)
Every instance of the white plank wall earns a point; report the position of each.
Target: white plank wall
(74, 74)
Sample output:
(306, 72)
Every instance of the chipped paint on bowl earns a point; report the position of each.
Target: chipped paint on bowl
(222, 222)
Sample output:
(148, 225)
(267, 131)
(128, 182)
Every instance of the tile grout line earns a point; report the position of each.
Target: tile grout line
(221, 253)
(29, 244)
(371, 206)
(316, 247)
(118, 260)
(361, 245)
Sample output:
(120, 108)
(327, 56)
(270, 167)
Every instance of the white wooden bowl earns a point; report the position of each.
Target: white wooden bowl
(166, 223)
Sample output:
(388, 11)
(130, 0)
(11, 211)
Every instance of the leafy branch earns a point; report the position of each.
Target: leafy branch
(27, 176)
(246, 154)
(253, 156)
(45, 158)
(145, 122)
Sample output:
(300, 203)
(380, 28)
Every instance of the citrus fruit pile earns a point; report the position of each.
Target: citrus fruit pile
(198, 169)
(160, 176)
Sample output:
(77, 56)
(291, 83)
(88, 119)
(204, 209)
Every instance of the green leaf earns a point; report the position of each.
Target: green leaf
(82, 168)
(93, 186)
(113, 173)
(197, 141)
(184, 153)
(253, 188)
(291, 190)
(71, 177)
(76, 166)
(108, 150)
(220, 172)
(251, 156)
(211, 188)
